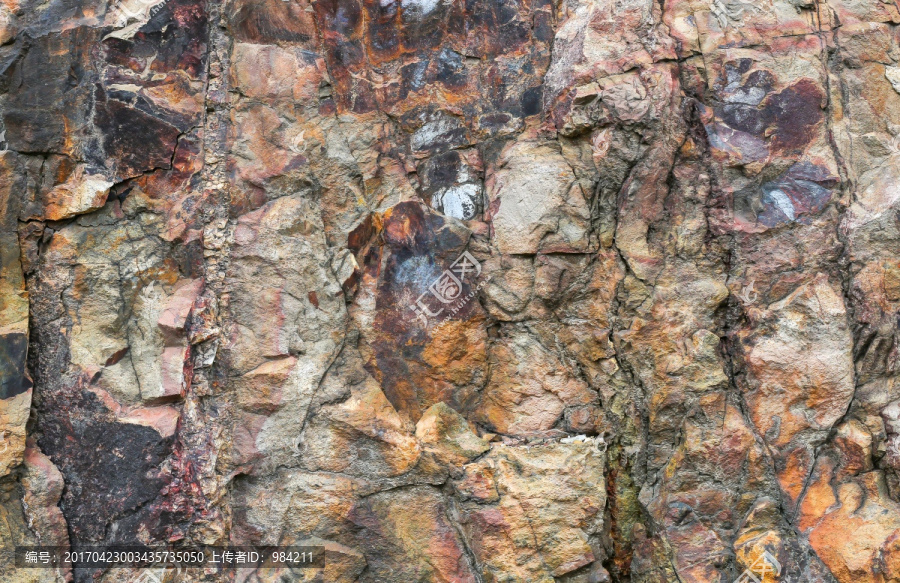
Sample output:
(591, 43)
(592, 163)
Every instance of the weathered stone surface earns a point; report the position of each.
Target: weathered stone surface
(13, 417)
(537, 513)
(799, 377)
(528, 390)
(15, 384)
(536, 203)
(445, 433)
(469, 291)
(43, 486)
(82, 192)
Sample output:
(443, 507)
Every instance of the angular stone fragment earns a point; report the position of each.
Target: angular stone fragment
(536, 203)
(800, 376)
(363, 435)
(415, 523)
(446, 433)
(260, 390)
(43, 485)
(529, 387)
(175, 374)
(82, 192)
(14, 413)
(546, 519)
(175, 314)
(893, 75)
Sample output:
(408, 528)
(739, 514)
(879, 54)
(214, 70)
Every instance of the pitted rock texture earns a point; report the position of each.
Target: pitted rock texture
(471, 291)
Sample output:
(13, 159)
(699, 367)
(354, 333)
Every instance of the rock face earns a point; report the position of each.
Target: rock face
(483, 291)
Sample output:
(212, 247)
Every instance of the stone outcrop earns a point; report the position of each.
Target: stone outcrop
(467, 291)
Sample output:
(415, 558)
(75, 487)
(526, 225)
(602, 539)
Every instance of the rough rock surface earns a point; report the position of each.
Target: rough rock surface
(472, 291)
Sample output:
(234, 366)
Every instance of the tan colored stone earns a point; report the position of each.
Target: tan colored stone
(81, 193)
(543, 521)
(363, 435)
(529, 387)
(446, 433)
(43, 485)
(261, 389)
(537, 203)
(800, 374)
(680, 347)
(13, 417)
